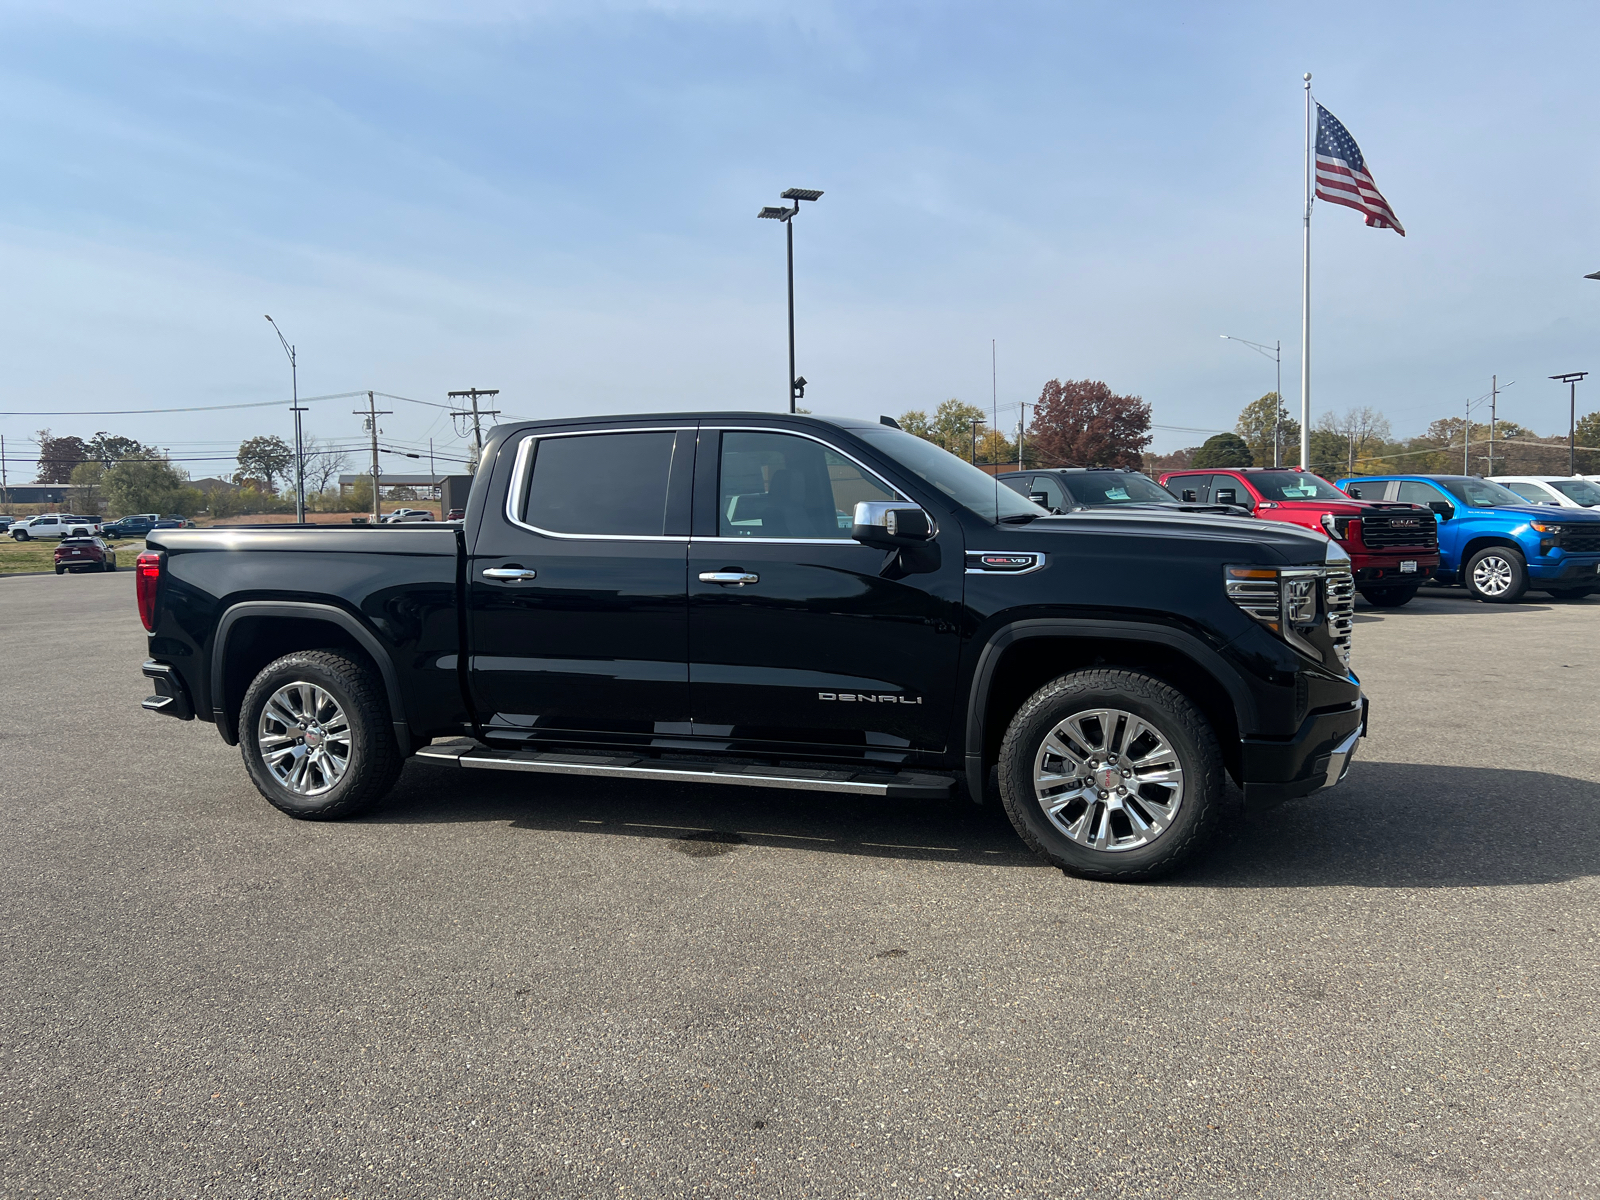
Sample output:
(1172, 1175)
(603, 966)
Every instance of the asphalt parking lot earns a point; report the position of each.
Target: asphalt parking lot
(498, 986)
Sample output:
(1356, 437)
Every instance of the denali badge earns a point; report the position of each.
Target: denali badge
(869, 697)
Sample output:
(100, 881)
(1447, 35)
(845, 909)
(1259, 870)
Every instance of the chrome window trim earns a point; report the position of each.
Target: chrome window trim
(754, 541)
(519, 480)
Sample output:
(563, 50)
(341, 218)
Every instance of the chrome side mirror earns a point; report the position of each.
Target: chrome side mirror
(888, 525)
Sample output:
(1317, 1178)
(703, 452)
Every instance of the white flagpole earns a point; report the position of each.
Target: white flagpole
(1305, 304)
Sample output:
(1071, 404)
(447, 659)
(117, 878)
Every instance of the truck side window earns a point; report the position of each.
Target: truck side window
(600, 483)
(1424, 494)
(1054, 496)
(776, 485)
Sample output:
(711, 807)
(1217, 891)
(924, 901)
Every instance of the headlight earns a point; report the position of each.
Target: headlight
(1294, 601)
(1544, 526)
(1339, 527)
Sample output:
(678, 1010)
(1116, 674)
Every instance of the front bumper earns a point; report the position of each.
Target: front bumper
(1317, 757)
(1570, 569)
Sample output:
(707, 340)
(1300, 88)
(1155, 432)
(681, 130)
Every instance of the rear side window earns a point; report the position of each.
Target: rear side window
(608, 484)
(776, 485)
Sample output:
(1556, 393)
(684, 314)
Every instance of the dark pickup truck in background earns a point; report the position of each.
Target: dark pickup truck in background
(771, 601)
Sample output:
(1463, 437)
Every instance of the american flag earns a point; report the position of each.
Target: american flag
(1342, 175)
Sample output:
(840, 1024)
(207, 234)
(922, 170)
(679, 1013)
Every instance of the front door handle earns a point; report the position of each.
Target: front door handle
(512, 574)
(729, 578)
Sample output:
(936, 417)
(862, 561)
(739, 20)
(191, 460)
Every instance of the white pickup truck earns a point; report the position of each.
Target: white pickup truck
(54, 525)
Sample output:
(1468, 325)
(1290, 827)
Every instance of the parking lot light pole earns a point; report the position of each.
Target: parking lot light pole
(1275, 353)
(1571, 380)
(787, 215)
(299, 457)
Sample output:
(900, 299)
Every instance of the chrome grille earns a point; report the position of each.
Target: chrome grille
(1340, 593)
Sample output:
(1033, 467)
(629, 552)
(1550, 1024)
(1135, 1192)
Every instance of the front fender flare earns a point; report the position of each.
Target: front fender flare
(1203, 656)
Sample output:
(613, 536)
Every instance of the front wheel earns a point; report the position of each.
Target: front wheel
(1497, 575)
(316, 735)
(1389, 597)
(20, 535)
(1112, 774)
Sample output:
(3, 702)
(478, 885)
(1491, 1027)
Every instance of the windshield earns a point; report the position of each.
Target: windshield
(956, 478)
(1096, 488)
(1579, 491)
(1480, 493)
(1294, 485)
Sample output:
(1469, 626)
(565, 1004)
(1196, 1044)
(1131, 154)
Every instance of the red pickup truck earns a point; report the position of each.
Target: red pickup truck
(1393, 548)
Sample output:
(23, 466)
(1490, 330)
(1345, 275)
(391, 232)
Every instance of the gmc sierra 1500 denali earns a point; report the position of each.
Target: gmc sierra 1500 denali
(780, 602)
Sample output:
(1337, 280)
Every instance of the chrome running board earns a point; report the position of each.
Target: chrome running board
(886, 784)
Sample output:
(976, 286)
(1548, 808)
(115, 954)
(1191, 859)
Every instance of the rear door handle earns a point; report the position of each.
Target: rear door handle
(729, 578)
(512, 574)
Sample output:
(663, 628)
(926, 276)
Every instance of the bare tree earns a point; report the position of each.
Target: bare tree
(1363, 429)
(324, 462)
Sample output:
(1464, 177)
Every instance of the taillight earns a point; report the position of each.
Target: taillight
(147, 577)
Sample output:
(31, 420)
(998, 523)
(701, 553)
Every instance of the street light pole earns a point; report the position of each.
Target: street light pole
(797, 385)
(1571, 380)
(1276, 355)
(299, 456)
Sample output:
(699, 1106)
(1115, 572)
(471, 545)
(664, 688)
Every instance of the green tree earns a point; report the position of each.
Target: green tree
(1223, 450)
(153, 485)
(1588, 434)
(108, 448)
(1329, 453)
(86, 479)
(1263, 419)
(951, 426)
(265, 458)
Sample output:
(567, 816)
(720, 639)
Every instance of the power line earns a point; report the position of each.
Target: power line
(145, 412)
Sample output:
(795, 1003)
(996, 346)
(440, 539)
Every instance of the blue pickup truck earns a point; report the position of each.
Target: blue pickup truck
(1493, 541)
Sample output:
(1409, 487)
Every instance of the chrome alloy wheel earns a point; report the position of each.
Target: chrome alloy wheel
(1492, 575)
(1108, 779)
(304, 738)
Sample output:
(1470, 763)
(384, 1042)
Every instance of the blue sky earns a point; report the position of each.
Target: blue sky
(559, 200)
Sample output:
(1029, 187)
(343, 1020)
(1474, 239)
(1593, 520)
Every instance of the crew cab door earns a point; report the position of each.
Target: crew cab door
(798, 635)
(575, 587)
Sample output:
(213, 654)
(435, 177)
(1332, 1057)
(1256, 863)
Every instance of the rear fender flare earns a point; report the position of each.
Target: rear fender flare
(303, 610)
(1203, 656)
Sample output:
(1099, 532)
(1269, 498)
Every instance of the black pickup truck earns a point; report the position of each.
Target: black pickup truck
(778, 602)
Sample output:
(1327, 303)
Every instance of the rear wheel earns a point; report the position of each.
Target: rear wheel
(1112, 774)
(316, 736)
(1496, 575)
(1389, 597)
(61, 570)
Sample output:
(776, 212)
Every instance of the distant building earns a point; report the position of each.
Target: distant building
(35, 493)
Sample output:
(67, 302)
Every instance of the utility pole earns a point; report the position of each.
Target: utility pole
(1494, 396)
(1352, 435)
(5, 487)
(1022, 425)
(974, 422)
(372, 414)
(1466, 440)
(477, 423)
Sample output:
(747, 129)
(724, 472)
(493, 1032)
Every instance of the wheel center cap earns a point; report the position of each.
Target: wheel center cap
(1108, 779)
(313, 738)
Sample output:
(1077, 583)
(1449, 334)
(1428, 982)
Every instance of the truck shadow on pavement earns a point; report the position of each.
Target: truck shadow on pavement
(697, 818)
(1400, 825)
(1389, 825)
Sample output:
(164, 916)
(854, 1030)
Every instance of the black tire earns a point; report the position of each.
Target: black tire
(373, 758)
(61, 570)
(1390, 597)
(1175, 721)
(1570, 593)
(1496, 575)
(111, 563)
(20, 535)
